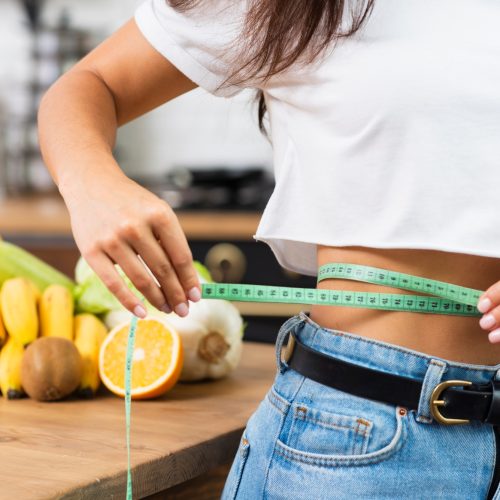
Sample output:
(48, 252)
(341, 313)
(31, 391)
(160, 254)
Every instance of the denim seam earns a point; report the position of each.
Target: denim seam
(280, 427)
(277, 401)
(243, 451)
(366, 440)
(492, 473)
(356, 429)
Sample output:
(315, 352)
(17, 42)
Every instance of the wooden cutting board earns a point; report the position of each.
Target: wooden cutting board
(75, 449)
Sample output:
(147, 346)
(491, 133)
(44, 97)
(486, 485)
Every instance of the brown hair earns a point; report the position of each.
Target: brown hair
(279, 33)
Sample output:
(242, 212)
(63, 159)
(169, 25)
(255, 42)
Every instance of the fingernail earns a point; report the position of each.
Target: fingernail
(484, 305)
(194, 294)
(494, 336)
(181, 309)
(140, 312)
(166, 309)
(487, 321)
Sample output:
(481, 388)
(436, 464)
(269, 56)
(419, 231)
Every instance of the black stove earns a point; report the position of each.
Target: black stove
(213, 189)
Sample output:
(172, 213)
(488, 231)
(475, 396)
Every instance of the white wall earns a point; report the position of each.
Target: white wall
(193, 130)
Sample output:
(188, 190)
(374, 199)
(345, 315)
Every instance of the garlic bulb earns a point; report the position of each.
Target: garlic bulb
(211, 337)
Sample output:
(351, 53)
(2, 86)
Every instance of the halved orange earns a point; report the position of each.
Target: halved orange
(156, 363)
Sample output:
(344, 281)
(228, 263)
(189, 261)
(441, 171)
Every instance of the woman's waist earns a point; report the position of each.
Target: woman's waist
(383, 356)
(456, 338)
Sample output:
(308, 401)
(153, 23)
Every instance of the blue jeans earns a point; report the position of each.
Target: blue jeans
(309, 441)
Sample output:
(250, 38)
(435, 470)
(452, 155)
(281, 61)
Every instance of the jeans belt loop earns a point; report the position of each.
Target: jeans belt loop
(289, 325)
(433, 377)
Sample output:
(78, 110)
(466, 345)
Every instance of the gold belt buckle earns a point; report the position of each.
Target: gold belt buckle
(289, 348)
(436, 402)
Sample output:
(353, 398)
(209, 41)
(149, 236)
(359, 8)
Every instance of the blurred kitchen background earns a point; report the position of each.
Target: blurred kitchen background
(204, 155)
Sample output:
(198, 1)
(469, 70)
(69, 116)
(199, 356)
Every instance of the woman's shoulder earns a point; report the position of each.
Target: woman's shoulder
(202, 39)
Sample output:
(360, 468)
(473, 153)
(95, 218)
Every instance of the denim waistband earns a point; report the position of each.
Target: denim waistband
(382, 356)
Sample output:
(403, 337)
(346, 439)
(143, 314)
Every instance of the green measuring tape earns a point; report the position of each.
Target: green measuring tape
(447, 298)
(128, 396)
(441, 298)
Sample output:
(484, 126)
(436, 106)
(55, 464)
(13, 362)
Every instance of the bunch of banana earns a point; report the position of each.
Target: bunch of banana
(36, 299)
(90, 332)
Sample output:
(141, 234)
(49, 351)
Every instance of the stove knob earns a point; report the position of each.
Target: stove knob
(291, 274)
(226, 263)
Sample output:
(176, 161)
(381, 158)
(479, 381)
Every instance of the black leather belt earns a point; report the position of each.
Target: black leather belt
(452, 401)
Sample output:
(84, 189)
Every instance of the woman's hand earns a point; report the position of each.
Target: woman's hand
(489, 305)
(115, 221)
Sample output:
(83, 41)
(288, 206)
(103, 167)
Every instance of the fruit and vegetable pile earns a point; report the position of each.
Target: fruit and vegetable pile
(60, 337)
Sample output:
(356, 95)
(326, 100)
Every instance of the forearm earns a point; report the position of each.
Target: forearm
(77, 128)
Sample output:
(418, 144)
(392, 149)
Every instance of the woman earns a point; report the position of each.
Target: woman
(385, 123)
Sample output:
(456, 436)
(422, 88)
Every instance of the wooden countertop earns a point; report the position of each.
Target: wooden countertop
(76, 449)
(47, 215)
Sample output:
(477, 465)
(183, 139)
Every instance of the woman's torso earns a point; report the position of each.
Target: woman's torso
(456, 338)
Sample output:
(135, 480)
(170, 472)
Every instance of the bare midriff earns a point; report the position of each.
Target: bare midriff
(455, 338)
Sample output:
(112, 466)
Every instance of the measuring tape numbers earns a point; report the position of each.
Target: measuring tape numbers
(443, 298)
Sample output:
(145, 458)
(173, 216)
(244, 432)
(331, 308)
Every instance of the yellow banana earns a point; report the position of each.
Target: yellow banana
(19, 311)
(56, 312)
(10, 369)
(3, 332)
(36, 291)
(90, 332)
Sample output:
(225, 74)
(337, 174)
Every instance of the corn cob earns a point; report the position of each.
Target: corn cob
(19, 311)
(89, 335)
(14, 261)
(56, 312)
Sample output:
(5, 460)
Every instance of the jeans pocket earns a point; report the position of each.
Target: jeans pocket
(323, 438)
(234, 478)
(319, 431)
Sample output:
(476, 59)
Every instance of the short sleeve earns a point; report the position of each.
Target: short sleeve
(201, 42)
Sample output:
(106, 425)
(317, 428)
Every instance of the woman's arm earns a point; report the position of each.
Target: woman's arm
(114, 219)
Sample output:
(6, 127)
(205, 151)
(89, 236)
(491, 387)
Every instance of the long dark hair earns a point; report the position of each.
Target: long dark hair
(278, 33)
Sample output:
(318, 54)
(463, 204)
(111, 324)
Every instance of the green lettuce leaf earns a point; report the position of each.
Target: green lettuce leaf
(91, 294)
(203, 272)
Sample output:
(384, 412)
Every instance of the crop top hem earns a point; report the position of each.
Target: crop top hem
(274, 241)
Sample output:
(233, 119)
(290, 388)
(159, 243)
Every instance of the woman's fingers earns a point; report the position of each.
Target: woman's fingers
(175, 279)
(174, 244)
(488, 304)
(485, 302)
(131, 265)
(160, 265)
(106, 270)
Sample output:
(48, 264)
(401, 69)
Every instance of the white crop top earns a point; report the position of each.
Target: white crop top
(390, 140)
